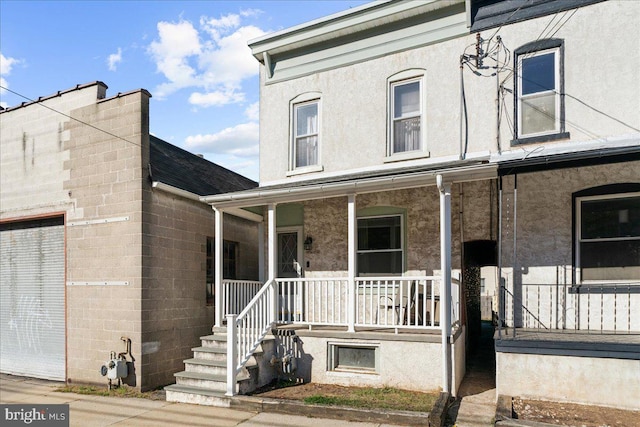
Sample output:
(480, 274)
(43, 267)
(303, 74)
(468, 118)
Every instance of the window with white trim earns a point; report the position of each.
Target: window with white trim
(380, 245)
(539, 79)
(306, 132)
(608, 237)
(406, 115)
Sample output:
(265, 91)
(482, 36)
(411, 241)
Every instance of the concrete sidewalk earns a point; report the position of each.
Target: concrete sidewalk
(97, 411)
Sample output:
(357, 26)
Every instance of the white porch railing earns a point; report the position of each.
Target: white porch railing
(313, 301)
(392, 302)
(237, 294)
(610, 307)
(398, 302)
(381, 302)
(246, 331)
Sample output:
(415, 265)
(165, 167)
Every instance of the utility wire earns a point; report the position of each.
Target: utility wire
(68, 116)
(586, 105)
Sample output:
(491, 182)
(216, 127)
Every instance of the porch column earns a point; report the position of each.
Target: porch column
(352, 227)
(218, 262)
(261, 275)
(272, 258)
(445, 288)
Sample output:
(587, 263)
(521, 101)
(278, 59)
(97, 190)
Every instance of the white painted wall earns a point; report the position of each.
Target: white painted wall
(586, 380)
(600, 70)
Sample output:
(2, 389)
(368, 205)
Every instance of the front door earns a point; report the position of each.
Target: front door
(289, 255)
(290, 267)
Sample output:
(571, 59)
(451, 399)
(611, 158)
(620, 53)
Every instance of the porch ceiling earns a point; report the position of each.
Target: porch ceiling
(352, 184)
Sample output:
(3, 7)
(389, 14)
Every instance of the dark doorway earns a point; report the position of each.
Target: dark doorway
(478, 286)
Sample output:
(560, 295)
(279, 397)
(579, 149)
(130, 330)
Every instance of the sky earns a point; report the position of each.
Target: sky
(192, 56)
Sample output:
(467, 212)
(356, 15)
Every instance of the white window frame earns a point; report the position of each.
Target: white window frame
(300, 101)
(557, 125)
(579, 240)
(401, 249)
(399, 79)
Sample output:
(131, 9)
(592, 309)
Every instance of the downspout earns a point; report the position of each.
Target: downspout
(501, 292)
(445, 291)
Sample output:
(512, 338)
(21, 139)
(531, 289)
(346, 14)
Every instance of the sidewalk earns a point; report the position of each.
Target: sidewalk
(97, 411)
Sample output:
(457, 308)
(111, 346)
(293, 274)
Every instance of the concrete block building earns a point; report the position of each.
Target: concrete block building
(104, 242)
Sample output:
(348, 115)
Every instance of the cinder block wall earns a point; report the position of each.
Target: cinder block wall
(174, 309)
(106, 179)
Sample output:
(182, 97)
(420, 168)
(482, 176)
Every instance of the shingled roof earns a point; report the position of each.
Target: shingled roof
(179, 168)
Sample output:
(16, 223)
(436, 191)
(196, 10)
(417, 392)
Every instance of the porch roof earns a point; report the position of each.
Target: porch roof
(356, 183)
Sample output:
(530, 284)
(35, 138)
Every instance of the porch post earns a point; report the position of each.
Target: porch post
(352, 243)
(261, 275)
(272, 258)
(445, 288)
(218, 262)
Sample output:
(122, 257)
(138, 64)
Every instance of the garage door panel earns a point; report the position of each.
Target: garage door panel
(32, 311)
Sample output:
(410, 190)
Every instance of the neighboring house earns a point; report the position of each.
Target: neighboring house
(400, 150)
(104, 239)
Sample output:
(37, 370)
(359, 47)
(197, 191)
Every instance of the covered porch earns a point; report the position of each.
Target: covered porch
(345, 301)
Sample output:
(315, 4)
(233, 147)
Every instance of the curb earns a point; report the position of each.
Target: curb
(292, 407)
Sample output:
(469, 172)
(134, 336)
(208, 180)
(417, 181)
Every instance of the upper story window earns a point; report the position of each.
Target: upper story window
(305, 140)
(540, 85)
(406, 115)
(608, 237)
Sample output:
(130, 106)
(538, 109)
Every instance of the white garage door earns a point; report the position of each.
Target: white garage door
(32, 317)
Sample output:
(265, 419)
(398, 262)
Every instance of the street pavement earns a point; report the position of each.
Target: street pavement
(98, 411)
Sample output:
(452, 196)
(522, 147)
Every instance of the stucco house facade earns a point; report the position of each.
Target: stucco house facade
(105, 244)
(407, 145)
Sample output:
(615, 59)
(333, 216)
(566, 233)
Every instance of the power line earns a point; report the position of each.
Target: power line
(68, 116)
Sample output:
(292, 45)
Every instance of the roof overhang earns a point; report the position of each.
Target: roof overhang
(625, 148)
(265, 195)
(342, 24)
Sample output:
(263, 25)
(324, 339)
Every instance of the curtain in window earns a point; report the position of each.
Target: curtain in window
(406, 117)
(306, 135)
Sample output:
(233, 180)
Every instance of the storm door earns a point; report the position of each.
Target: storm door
(290, 267)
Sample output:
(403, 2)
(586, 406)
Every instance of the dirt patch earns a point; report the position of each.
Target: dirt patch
(569, 414)
(362, 397)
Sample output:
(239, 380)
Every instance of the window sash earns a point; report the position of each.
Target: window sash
(306, 135)
(406, 120)
(372, 258)
(607, 257)
(538, 110)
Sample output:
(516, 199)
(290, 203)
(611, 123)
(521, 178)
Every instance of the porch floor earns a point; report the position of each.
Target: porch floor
(604, 344)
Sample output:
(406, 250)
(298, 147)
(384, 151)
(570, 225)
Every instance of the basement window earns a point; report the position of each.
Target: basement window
(361, 358)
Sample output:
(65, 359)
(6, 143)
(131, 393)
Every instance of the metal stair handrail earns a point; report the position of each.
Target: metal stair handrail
(245, 331)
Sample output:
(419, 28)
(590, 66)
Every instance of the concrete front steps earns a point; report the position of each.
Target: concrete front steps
(204, 380)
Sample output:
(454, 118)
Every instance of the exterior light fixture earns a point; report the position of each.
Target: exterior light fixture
(308, 242)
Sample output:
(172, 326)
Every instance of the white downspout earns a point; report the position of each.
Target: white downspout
(352, 243)
(218, 262)
(445, 290)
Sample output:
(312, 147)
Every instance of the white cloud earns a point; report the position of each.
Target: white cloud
(6, 64)
(253, 111)
(214, 58)
(114, 59)
(177, 43)
(240, 141)
(216, 98)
